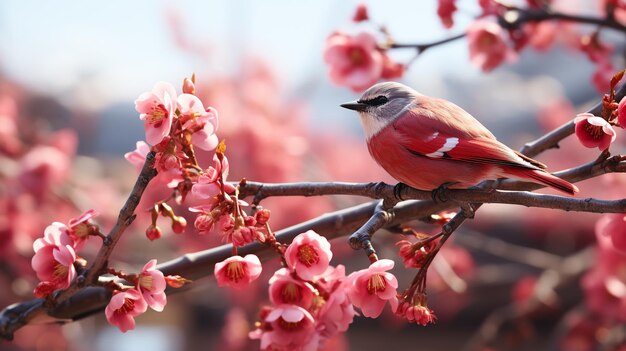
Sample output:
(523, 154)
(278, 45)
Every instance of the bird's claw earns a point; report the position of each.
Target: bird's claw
(439, 194)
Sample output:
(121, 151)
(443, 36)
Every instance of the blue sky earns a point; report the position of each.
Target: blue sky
(117, 49)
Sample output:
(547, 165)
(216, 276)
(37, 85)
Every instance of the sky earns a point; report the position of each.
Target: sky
(120, 48)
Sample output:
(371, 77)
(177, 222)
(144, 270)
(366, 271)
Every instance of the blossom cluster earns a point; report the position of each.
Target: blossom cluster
(497, 34)
(312, 301)
(55, 258)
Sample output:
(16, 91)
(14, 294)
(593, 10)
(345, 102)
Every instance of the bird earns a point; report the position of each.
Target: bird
(429, 143)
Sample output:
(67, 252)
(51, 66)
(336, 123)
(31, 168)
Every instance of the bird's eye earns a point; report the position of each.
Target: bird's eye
(377, 101)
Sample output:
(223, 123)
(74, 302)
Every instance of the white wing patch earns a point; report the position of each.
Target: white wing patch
(449, 145)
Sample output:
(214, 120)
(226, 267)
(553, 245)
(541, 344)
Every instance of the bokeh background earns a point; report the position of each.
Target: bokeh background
(70, 71)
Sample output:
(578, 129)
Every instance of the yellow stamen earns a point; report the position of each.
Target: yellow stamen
(376, 283)
(308, 255)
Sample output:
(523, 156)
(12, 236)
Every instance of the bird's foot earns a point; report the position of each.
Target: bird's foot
(439, 194)
(486, 186)
(398, 189)
(467, 209)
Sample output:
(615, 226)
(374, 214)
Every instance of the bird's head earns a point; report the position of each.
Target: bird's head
(381, 104)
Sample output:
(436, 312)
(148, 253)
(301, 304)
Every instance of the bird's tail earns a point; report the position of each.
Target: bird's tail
(544, 178)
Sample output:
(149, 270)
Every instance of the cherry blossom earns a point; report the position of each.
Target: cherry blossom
(54, 256)
(287, 290)
(124, 307)
(369, 289)
(237, 272)
(292, 328)
(79, 229)
(613, 226)
(593, 131)
(156, 109)
(487, 48)
(337, 312)
(151, 284)
(308, 255)
(208, 185)
(354, 61)
(360, 14)
(203, 123)
(138, 156)
(445, 10)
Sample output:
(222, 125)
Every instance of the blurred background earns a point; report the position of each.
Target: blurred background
(69, 74)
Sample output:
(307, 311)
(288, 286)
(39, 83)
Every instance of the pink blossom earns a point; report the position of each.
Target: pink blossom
(360, 14)
(156, 109)
(123, 307)
(151, 284)
(392, 69)
(541, 35)
(370, 288)
(593, 131)
(354, 61)
(308, 255)
(613, 226)
(237, 272)
(42, 167)
(445, 10)
(203, 123)
(54, 256)
(602, 76)
(79, 229)
(487, 48)
(208, 185)
(337, 312)
(287, 290)
(138, 156)
(292, 328)
(420, 314)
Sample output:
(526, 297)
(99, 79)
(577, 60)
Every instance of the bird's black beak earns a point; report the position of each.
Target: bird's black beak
(354, 105)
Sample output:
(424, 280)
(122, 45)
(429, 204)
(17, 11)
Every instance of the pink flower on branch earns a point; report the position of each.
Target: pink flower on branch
(156, 109)
(287, 290)
(487, 48)
(54, 257)
(124, 307)
(209, 184)
(593, 131)
(138, 156)
(337, 313)
(354, 61)
(237, 272)
(202, 123)
(308, 255)
(291, 328)
(372, 287)
(151, 284)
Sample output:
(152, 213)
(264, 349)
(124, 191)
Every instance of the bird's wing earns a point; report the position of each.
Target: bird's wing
(424, 135)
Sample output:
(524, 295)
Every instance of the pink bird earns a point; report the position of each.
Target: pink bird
(427, 142)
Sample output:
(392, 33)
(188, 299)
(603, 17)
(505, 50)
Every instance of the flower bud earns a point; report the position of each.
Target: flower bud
(176, 281)
(189, 87)
(179, 224)
(262, 216)
(153, 232)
